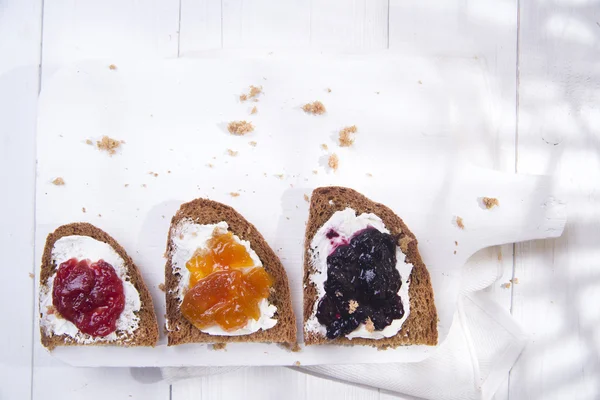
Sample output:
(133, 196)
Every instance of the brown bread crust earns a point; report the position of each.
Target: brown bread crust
(421, 325)
(147, 332)
(203, 211)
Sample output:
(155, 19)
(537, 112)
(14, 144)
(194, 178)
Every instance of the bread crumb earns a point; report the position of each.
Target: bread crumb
(280, 176)
(232, 153)
(219, 346)
(209, 165)
(127, 185)
(89, 141)
(161, 286)
(505, 285)
(454, 251)
(306, 198)
(297, 363)
(109, 145)
(370, 175)
(346, 136)
(154, 174)
(316, 108)
(243, 97)
(240, 127)
(234, 194)
(254, 91)
(369, 326)
(333, 162)
(490, 202)
(324, 147)
(315, 172)
(294, 347)
(459, 223)
(100, 215)
(514, 281)
(169, 171)
(83, 209)
(58, 181)
(31, 275)
(112, 67)
(352, 306)
(500, 256)
(403, 243)
(252, 143)
(420, 83)
(328, 90)
(254, 110)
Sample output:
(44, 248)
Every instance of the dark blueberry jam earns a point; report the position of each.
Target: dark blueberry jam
(332, 234)
(364, 272)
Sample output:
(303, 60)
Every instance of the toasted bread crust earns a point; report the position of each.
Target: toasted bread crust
(421, 325)
(147, 332)
(203, 211)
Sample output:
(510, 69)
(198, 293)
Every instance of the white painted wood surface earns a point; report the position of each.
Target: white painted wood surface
(542, 61)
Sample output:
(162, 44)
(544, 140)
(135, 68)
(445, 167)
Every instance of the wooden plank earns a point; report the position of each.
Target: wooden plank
(559, 280)
(20, 38)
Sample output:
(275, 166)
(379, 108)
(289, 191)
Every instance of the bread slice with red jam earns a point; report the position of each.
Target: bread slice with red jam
(223, 282)
(364, 280)
(91, 292)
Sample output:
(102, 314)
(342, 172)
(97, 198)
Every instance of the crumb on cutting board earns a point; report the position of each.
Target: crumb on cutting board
(89, 141)
(456, 243)
(316, 108)
(328, 90)
(514, 281)
(254, 110)
(505, 285)
(254, 91)
(333, 162)
(154, 174)
(234, 194)
(460, 223)
(58, 181)
(232, 153)
(315, 172)
(126, 185)
(280, 176)
(454, 251)
(31, 275)
(306, 198)
(243, 97)
(143, 185)
(109, 145)
(252, 143)
(297, 363)
(219, 346)
(346, 136)
(490, 202)
(83, 209)
(209, 165)
(240, 127)
(112, 67)
(162, 287)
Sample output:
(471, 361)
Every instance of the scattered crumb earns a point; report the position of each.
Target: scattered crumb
(455, 243)
(280, 176)
(316, 108)
(454, 251)
(490, 202)
(252, 143)
(168, 172)
(500, 256)
(100, 215)
(143, 185)
(127, 185)
(333, 162)
(459, 223)
(254, 110)
(234, 194)
(240, 127)
(58, 181)
(328, 90)
(255, 91)
(295, 347)
(324, 147)
(112, 67)
(209, 165)
(243, 97)
(109, 145)
(83, 209)
(505, 285)
(161, 286)
(219, 346)
(377, 92)
(288, 218)
(232, 153)
(352, 306)
(297, 363)
(514, 281)
(346, 136)
(403, 243)
(154, 174)
(370, 175)
(31, 275)
(369, 325)
(306, 198)
(315, 172)
(89, 141)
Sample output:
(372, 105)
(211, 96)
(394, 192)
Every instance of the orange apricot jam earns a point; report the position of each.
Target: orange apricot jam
(225, 288)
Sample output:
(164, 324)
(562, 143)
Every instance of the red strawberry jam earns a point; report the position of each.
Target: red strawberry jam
(90, 295)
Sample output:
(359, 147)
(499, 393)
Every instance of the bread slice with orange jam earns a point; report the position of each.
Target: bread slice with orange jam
(190, 235)
(136, 324)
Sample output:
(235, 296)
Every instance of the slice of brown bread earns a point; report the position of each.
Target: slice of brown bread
(147, 332)
(421, 325)
(180, 330)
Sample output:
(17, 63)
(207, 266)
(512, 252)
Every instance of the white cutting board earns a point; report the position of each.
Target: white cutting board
(172, 116)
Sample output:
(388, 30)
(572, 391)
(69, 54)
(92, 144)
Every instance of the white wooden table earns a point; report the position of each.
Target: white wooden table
(542, 57)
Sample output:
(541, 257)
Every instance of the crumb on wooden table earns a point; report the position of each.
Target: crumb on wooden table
(109, 145)
(346, 136)
(83, 209)
(89, 141)
(58, 181)
(234, 194)
(161, 286)
(316, 108)
(240, 127)
(460, 223)
(306, 198)
(112, 67)
(369, 325)
(514, 281)
(490, 202)
(31, 275)
(254, 110)
(252, 143)
(352, 306)
(232, 153)
(333, 162)
(297, 363)
(219, 346)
